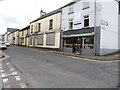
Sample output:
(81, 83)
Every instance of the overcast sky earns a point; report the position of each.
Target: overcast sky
(18, 13)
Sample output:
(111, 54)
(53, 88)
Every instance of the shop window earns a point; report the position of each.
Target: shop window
(22, 40)
(31, 40)
(68, 42)
(50, 39)
(86, 21)
(40, 39)
(88, 42)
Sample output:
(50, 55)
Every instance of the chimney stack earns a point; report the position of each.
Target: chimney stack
(42, 13)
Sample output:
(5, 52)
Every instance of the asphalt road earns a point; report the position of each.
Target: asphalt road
(48, 70)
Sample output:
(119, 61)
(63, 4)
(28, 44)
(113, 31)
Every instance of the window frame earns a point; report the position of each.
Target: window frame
(86, 17)
(84, 4)
(70, 25)
(31, 28)
(39, 27)
(71, 9)
(50, 24)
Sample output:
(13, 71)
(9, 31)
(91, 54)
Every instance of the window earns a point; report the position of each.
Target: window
(50, 39)
(86, 21)
(85, 4)
(70, 23)
(51, 24)
(40, 39)
(22, 33)
(31, 40)
(39, 27)
(22, 40)
(71, 9)
(27, 31)
(32, 29)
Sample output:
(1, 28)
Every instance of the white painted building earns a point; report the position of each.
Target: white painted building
(90, 27)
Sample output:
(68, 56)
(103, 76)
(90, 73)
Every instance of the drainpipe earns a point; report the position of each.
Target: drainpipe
(95, 48)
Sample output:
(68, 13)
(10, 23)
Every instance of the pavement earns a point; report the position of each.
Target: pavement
(110, 57)
(44, 69)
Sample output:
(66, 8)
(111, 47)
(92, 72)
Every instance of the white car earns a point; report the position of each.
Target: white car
(3, 46)
(7, 44)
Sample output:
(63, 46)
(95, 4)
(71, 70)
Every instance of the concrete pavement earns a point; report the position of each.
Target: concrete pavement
(48, 70)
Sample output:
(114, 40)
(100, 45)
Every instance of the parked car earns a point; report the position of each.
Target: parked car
(7, 44)
(3, 46)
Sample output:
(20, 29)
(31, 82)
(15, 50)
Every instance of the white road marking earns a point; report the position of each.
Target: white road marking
(11, 69)
(18, 78)
(5, 80)
(3, 75)
(14, 73)
(23, 85)
(8, 63)
(2, 71)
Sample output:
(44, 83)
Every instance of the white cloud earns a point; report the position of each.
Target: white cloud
(18, 13)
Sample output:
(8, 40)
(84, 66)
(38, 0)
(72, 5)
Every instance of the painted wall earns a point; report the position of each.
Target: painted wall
(78, 14)
(109, 34)
(10, 40)
(45, 28)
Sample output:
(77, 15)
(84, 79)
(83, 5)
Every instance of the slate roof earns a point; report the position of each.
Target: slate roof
(27, 27)
(12, 29)
(48, 14)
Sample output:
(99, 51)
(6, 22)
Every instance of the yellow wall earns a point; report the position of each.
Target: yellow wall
(56, 22)
(45, 23)
(45, 28)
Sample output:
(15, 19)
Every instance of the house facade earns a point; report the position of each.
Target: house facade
(90, 27)
(15, 36)
(46, 30)
(24, 36)
(9, 36)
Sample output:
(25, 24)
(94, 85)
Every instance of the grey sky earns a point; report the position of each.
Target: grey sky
(18, 13)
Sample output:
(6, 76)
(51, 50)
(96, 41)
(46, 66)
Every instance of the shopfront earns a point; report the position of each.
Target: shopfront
(79, 43)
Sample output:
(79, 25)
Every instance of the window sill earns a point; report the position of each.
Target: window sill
(85, 8)
(86, 27)
(70, 13)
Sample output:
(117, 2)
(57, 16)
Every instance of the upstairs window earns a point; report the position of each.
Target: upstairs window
(86, 4)
(71, 9)
(70, 23)
(32, 29)
(27, 31)
(51, 24)
(86, 21)
(39, 27)
(22, 33)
